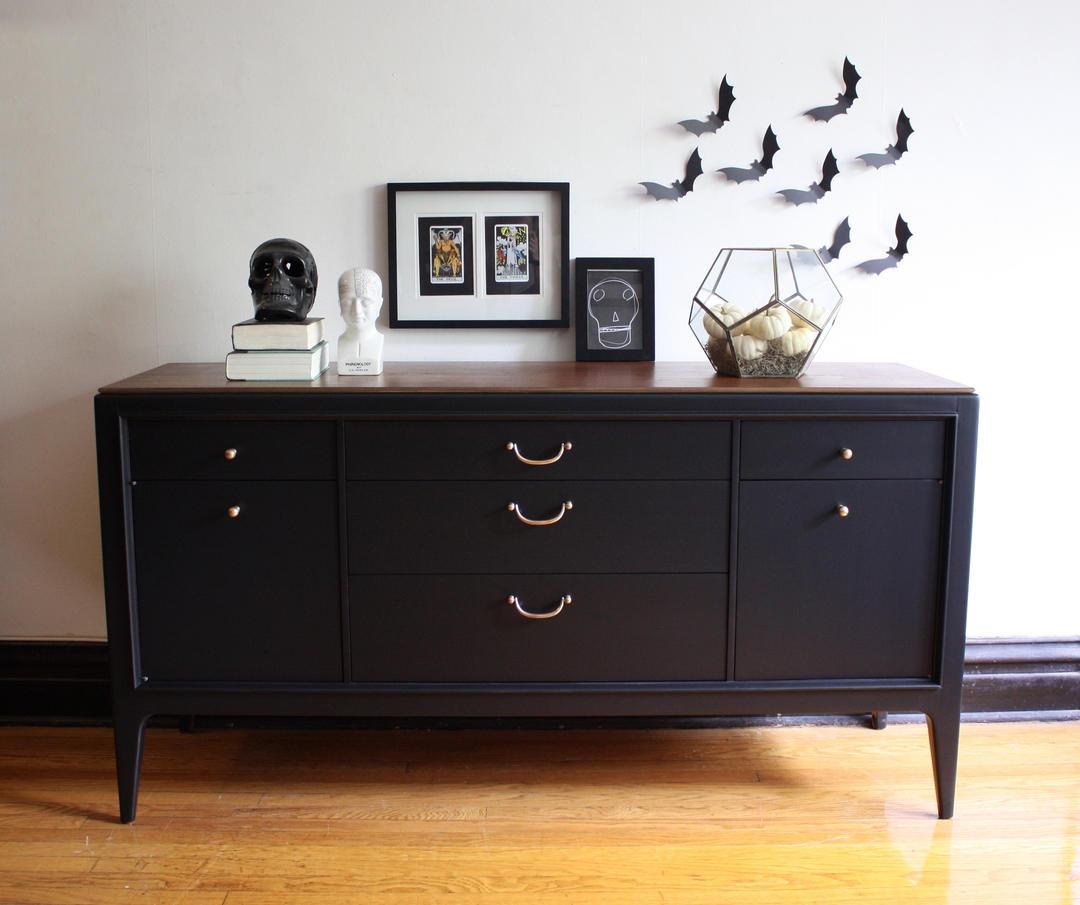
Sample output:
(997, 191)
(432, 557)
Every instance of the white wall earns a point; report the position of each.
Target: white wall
(148, 147)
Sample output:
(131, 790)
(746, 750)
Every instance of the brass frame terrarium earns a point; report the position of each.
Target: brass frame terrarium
(744, 336)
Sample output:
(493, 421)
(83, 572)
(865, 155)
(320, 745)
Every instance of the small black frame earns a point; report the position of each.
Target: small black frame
(615, 309)
(478, 254)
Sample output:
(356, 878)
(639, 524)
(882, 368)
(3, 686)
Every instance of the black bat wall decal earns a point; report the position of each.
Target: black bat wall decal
(716, 119)
(816, 191)
(841, 237)
(758, 168)
(677, 190)
(903, 233)
(843, 101)
(893, 152)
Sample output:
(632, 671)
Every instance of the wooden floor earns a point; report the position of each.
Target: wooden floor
(764, 815)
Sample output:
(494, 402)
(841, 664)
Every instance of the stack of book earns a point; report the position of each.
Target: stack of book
(278, 350)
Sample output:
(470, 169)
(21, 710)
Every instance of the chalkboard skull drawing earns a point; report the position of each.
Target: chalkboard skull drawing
(614, 306)
(283, 280)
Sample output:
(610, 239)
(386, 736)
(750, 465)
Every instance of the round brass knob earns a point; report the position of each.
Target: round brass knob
(233, 511)
(842, 510)
(846, 453)
(230, 453)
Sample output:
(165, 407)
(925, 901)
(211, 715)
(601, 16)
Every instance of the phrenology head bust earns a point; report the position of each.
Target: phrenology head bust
(360, 296)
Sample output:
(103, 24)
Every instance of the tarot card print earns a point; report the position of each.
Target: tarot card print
(512, 262)
(446, 254)
(511, 241)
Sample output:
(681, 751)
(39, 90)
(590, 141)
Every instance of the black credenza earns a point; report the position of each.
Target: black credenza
(536, 540)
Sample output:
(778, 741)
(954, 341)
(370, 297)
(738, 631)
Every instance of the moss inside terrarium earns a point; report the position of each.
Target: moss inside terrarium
(772, 363)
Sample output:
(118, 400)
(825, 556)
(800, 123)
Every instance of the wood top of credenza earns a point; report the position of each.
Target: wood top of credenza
(546, 377)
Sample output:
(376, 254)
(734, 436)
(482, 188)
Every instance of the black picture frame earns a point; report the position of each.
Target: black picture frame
(615, 309)
(478, 254)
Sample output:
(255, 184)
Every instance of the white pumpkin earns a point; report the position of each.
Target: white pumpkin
(726, 313)
(771, 324)
(809, 310)
(798, 341)
(749, 347)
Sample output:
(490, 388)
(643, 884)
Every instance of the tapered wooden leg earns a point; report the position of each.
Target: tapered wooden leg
(128, 733)
(879, 719)
(944, 749)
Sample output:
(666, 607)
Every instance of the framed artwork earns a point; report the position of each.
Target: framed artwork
(615, 309)
(478, 254)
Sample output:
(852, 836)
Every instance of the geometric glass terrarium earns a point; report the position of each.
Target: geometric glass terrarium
(764, 312)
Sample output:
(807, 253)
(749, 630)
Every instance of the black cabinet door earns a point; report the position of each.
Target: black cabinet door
(249, 597)
(824, 596)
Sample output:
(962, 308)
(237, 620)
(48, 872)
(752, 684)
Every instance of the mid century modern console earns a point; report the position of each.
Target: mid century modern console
(536, 540)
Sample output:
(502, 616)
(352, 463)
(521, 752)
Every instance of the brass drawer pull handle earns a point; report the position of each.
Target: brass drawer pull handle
(233, 511)
(514, 508)
(842, 510)
(230, 453)
(563, 601)
(847, 453)
(563, 448)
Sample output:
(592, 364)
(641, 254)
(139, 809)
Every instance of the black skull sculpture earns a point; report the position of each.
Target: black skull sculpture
(283, 280)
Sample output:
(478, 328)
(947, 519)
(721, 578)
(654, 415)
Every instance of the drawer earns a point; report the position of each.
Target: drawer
(466, 526)
(619, 628)
(816, 449)
(637, 450)
(224, 449)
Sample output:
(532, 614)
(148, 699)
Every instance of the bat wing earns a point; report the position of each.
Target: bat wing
(828, 170)
(903, 233)
(824, 114)
(697, 126)
(851, 79)
(903, 132)
(801, 196)
(841, 237)
(723, 104)
(878, 265)
(739, 174)
(661, 192)
(877, 161)
(769, 147)
(693, 170)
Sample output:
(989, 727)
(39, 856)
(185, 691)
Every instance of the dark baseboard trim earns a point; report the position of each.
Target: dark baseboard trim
(1022, 674)
(61, 681)
(68, 682)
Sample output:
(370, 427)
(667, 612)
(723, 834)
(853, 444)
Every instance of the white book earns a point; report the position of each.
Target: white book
(253, 335)
(281, 364)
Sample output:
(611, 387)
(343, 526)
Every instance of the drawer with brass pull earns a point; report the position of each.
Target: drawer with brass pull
(538, 628)
(893, 449)
(232, 449)
(537, 450)
(556, 526)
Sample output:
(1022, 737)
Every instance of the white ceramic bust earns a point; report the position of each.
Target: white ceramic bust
(360, 347)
